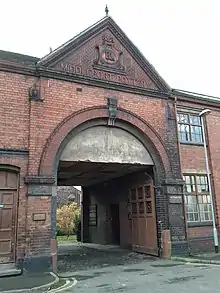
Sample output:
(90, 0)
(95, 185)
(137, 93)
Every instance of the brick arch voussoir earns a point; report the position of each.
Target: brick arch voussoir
(53, 143)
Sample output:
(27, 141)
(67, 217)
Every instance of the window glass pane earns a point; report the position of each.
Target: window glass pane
(190, 184)
(184, 132)
(183, 118)
(134, 208)
(141, 207)
(133, 194)
(196, 134)
(195, 120)
(196, 217)
(189, 128)
(192, 216)
(202, 184)
(197, 200)
(189, 217)
(192, 210)
(147, 191)
(140, 193)
(205, 212)
(191, 199)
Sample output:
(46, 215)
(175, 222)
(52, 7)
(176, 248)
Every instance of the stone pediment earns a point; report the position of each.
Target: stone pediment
(105, 53)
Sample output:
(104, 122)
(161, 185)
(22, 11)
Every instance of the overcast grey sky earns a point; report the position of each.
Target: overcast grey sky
(179, 37)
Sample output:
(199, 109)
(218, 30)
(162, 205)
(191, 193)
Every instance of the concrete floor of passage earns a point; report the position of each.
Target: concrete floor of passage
(86, 256)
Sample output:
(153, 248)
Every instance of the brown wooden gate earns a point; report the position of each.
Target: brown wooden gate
(8, 208)
(143, 218)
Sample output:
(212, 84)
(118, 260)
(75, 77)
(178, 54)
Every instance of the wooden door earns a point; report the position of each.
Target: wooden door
(8, 208)
(143, 219)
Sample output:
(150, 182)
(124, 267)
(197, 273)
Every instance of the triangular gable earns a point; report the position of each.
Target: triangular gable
(103, 51)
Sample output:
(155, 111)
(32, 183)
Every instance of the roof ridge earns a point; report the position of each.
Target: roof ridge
(194, 94)
(10, 52)
(72, 39)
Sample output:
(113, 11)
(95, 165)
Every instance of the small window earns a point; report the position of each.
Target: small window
(197, 198)
(189, 128)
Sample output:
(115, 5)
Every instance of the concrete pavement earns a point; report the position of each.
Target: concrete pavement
(26, 282)
(114, 270)
(205, 258)
(153, 277)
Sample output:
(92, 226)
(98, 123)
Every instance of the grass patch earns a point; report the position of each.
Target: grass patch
(71, 238)
(59, 284)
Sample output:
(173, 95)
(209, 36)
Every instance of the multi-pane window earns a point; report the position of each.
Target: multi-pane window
(189, 128)
(197, 198)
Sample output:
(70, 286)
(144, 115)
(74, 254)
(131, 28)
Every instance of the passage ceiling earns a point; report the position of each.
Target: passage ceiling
(88, 173)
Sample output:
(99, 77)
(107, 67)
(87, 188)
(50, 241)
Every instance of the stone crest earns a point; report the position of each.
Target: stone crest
(109, 58)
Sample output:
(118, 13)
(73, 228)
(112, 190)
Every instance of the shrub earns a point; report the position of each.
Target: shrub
(67, 219)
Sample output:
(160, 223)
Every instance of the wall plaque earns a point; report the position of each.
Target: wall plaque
(39, 217)
(175, 199)
(39, 190)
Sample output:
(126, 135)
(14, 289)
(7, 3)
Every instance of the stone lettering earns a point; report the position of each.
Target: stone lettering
(77, 69)
(175, 199)
(64, 67)
(89, 72)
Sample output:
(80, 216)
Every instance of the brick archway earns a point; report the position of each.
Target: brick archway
(165, 183)
(67, 125)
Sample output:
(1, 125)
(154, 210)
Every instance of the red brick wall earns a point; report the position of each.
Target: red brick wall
(199, 232)
(28, 125)
(192, 158)
(193, 161)
(213, 132)
(62, 100)
(38, 232)
(14, 110)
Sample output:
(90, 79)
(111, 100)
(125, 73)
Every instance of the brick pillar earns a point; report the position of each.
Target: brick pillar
(177, 224)
(39, 241)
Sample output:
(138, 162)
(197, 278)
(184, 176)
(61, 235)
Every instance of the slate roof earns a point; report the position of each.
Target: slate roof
(18, 58)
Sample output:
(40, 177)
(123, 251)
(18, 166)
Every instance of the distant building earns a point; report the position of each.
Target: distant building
(68, 194)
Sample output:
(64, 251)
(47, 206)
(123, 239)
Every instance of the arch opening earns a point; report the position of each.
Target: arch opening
(116, 172)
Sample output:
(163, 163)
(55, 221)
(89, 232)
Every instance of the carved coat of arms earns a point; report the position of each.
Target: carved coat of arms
(108, 56)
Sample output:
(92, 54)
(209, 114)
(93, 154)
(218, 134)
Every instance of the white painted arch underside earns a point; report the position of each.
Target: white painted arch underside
(104, 144)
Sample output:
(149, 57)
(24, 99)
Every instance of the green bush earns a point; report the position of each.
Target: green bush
(77, 221)
(60, 232)
(67, 218)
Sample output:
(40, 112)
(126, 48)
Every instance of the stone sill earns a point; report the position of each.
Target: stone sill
(199, 224)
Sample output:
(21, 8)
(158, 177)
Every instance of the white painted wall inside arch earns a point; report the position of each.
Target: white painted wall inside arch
(102, 144)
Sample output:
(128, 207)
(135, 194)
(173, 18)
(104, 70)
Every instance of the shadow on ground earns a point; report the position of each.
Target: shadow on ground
(25, 281)
(81, 257)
